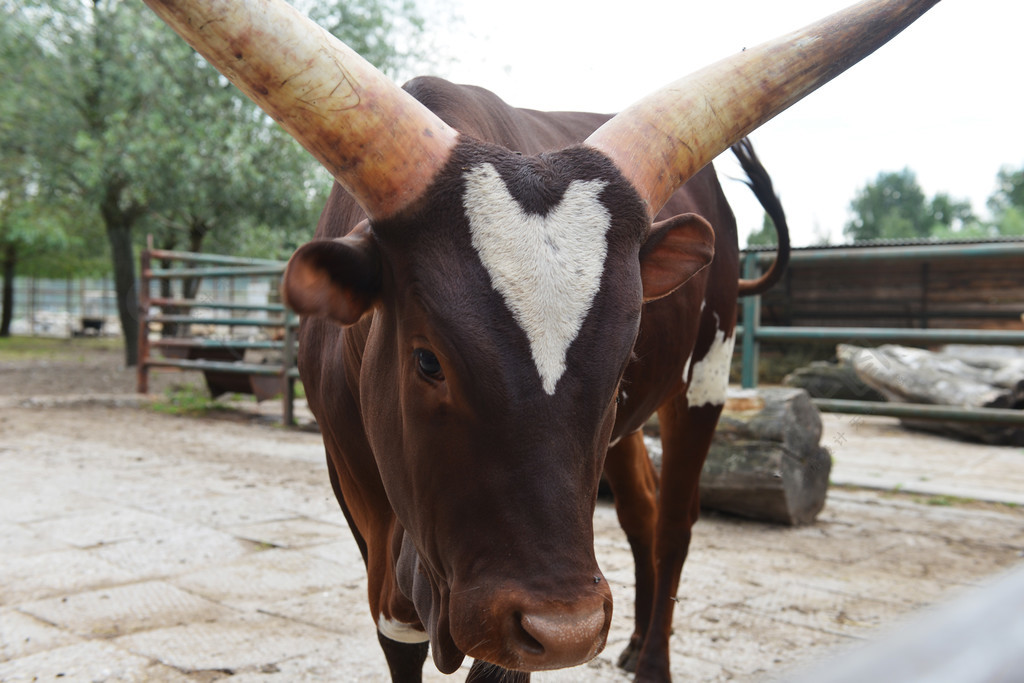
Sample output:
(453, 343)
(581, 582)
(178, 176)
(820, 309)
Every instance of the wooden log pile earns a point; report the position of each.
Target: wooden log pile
(956, 376)
(823, 379)
(765, 461)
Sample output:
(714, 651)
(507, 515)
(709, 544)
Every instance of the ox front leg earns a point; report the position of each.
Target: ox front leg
(634, 484)
(686, 437)
(405, 660)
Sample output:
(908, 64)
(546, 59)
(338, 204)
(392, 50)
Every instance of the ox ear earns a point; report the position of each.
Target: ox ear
(338, 279)
(676, 250)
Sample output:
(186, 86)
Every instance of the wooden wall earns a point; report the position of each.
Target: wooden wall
(948, 292)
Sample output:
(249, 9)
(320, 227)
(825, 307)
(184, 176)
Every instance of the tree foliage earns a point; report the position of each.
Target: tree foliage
(1007, 202)
(120, 123)
(33, 218)
(767, 235)
(895, 207)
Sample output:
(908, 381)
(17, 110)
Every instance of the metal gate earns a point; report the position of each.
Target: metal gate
(212, 314)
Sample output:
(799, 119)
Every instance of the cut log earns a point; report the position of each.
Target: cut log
(1000, 366)
(910, 375)
(765, 461)
(822, 379)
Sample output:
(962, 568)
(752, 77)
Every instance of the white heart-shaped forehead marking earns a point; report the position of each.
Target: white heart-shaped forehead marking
(546, 268)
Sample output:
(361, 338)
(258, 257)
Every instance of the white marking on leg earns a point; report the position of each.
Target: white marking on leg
(711, 373)
(686, 368)
(400, 632)
(547, 268)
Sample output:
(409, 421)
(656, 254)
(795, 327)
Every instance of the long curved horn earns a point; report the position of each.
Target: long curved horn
(665, 138)
(383, 146)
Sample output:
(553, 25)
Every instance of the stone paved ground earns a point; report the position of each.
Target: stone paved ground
(143, 547)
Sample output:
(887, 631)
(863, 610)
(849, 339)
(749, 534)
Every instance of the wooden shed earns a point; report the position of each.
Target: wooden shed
(908, 284)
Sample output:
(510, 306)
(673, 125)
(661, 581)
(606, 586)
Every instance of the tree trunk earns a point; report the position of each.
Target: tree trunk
(196, 233)
(123, 257)
(118, 221)
(119, 214)
(10, 259)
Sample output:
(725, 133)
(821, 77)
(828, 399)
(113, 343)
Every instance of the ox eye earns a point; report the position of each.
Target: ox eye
(429, 365)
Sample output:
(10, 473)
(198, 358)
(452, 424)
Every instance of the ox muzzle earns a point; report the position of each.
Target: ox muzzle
(539, 621)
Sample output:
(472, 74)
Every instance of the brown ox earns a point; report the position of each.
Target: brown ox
(517, 293)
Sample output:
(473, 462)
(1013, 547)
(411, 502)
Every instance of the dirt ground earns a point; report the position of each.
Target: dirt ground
(79, 367)
(142, 546)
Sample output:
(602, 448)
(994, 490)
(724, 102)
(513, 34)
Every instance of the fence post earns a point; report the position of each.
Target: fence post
(32, 305)
(287, 361)
(142, 381)
(67, 305)
(83, 285)
(751, 320)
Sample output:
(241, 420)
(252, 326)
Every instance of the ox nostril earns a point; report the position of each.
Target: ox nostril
(563, 638)
(526, 642)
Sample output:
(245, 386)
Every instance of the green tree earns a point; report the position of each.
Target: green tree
(33, 220)
(1007, 202)
(948, 213)
(895, 207)
(891, 207)
(147, 136)
(954, 219)
(765, 236)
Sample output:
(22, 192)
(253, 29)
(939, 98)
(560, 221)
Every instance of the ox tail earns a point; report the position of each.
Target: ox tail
(761, 185)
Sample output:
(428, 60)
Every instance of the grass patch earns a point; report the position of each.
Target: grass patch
(946, 501)
(13, 349)
(775, 361)
(970, 503)
(899, 493)
(185, 400)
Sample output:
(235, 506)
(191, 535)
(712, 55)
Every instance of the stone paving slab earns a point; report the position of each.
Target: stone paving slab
(343, 551)
(121, 610)
(32, 577)
(236, 643)
(296, 532)
(214, 509)
(265, 577)
(88, 661)
(114, 525)
(39, 498)
(22, 635)
(16, 541)
(875, 452)
(215, 551)
(183, 548)
(329, 610)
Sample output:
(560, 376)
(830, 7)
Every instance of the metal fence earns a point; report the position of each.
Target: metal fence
(212, 314)
(64, 308)
(752, 332)
(235, 311)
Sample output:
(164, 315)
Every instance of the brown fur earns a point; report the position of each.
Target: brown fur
(494, 481)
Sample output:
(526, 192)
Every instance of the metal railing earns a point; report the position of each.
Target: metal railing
(221, 359)
(752, 332)
(70, 307)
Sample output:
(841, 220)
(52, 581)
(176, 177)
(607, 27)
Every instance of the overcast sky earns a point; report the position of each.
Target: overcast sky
(945, 98)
